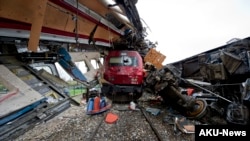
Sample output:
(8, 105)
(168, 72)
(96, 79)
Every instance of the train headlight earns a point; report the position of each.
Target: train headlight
(134, 80)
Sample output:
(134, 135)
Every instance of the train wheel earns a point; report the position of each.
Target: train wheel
(199, 109)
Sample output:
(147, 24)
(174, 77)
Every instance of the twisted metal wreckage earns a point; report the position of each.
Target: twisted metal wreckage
(38, 39)
(214, 83)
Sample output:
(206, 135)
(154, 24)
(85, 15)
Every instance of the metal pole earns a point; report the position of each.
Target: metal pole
(206, 90)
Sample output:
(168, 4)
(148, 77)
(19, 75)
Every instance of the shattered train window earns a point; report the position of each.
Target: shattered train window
(123, 61)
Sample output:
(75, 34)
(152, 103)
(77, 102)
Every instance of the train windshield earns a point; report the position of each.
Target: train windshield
(123, 61)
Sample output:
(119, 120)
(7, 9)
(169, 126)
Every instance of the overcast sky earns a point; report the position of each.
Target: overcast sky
(184, 28)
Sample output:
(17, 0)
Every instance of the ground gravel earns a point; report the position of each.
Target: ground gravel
(75, 125)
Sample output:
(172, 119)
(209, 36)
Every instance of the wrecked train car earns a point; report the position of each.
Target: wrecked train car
(51, 33)
(226, 69)
(214, 83)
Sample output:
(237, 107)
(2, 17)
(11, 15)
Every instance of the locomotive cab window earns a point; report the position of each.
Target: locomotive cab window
(123, 61)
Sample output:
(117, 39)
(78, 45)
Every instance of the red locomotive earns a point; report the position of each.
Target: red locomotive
(124, 75)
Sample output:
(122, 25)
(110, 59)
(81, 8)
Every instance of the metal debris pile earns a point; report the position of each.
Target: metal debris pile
(195, 99)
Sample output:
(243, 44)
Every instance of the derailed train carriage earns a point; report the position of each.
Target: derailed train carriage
(214, 83)
(50, 33)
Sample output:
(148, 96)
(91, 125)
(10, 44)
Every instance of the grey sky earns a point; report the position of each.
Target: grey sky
(184, 28)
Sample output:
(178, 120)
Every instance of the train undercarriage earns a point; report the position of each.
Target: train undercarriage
(213, 83)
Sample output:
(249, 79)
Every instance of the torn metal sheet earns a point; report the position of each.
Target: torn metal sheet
(24, 97)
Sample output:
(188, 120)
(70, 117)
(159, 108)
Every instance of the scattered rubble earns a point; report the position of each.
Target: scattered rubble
(76, 124)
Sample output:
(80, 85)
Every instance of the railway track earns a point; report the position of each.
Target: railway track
(136, 122)
(136, 125)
